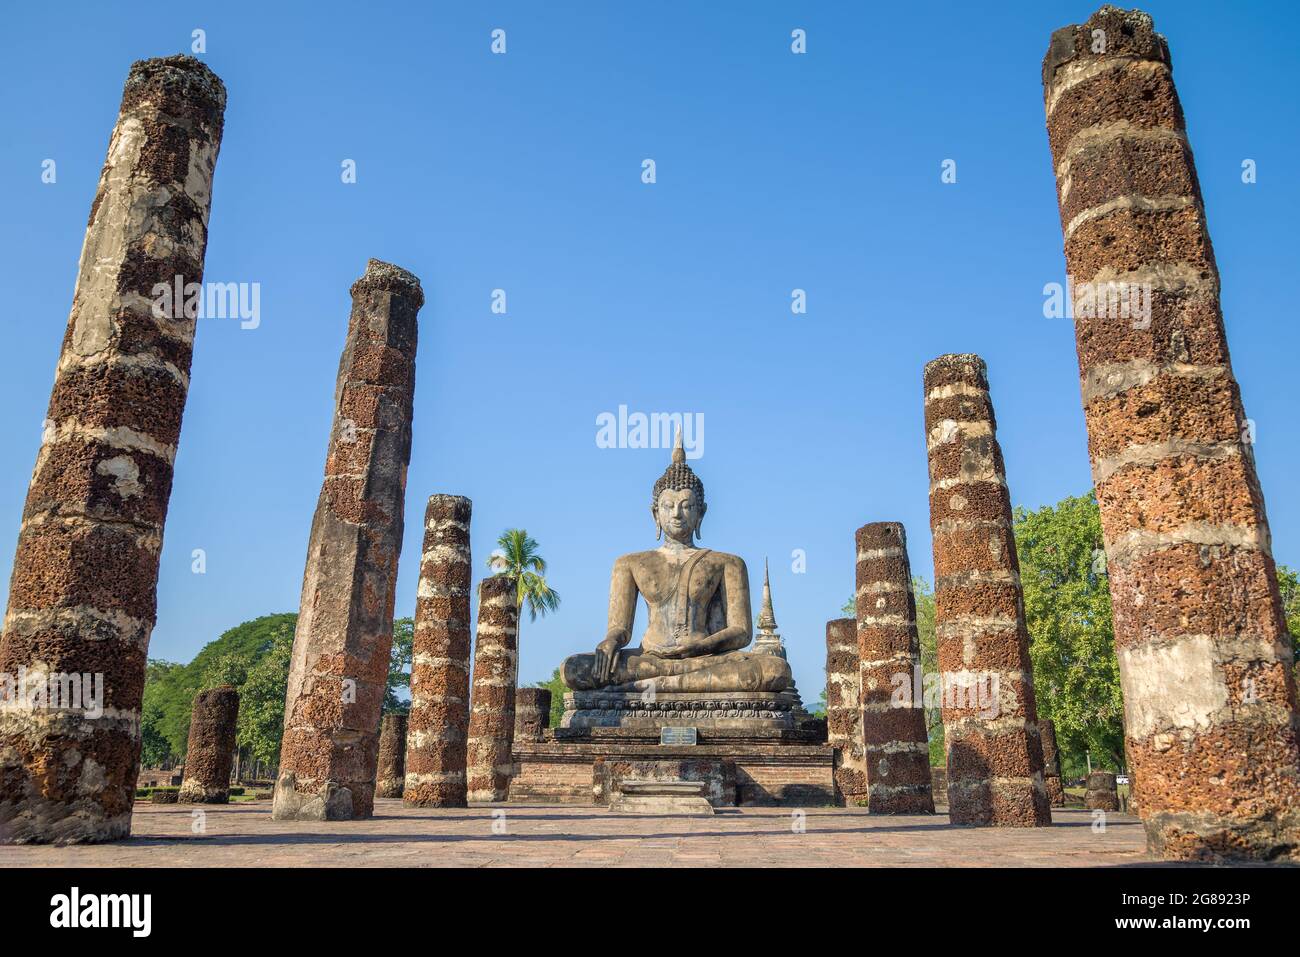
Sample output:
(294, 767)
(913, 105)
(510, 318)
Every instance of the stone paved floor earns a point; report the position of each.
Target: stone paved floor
(243, 835)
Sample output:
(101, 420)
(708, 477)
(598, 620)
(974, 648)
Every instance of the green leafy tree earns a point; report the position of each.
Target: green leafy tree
(555, 684)
(157, 750)
(399, 667)
(818, 710)
(228, 670)
(1067, 609)
(517, 555)
(261, 697)
(1289, 583)
(223, 661)
(253, 657)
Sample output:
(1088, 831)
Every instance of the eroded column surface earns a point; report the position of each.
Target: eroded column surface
(532, 713)
(895, 745)
(82, 598)
(1051, 763)
(391, 775)
(492, 699)
(210, 753)
(844, 711)
(439, 720)
(1204, 655)
(339, 669)
(1102, 793)
(995, 757)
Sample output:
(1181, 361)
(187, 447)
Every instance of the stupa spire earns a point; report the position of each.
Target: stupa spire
(766, 618)
(766, 639)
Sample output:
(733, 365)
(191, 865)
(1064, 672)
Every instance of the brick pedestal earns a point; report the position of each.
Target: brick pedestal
(781, 767)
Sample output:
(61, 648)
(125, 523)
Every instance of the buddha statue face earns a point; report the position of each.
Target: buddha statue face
(678, 514)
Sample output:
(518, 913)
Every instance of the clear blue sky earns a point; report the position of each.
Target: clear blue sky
(523, 172)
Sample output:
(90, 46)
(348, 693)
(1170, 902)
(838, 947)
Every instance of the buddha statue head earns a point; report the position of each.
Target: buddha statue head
(677, 503)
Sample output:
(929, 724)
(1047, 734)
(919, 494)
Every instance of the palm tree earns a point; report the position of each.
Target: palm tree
(516, 555)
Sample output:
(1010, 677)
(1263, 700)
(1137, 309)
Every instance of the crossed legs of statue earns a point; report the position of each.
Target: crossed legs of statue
(638, 671)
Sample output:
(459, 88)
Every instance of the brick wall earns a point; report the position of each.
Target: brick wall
(801, 776)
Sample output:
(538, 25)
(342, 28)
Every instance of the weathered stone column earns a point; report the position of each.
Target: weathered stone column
(1102, 793)
(1204, 655)
(492, 701)
(339, 669)
(995, 758)
(895, 744)
(532, 713)
(1051, 763)
(439, 720)
(210, 754)
(82, 599)
(844, 711)
(391, 775)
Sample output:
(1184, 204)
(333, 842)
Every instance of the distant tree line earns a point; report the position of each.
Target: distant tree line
(253, 658)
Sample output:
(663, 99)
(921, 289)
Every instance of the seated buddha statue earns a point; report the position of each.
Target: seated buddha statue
(699, 610)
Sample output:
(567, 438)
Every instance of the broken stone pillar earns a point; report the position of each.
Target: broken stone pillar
(339, 670)
(82, 599)
(492, 700)
(1051, 763)
(895, 745)
(391, 775)
(439, 719)
(995, 757)
(1102, 793)
(210, 754)
(532, 713)
(1205, 659)
(844, 711)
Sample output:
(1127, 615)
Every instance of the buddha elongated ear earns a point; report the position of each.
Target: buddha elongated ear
(654, 515)
(700, 524)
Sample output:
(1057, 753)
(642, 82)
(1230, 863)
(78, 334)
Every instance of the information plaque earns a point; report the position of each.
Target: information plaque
(678, 736)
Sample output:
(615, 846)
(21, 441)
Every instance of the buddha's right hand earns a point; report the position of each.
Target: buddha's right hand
(604, 661)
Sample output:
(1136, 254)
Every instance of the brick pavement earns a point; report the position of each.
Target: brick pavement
(243, 835)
